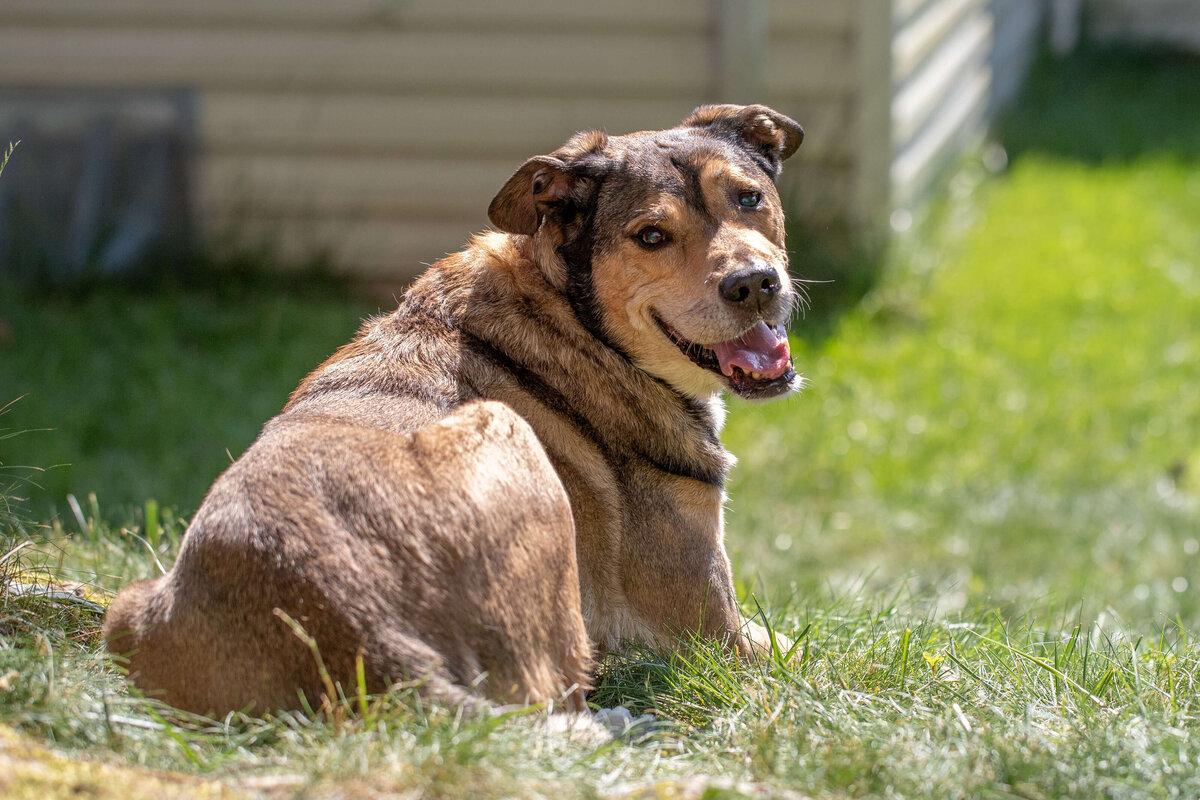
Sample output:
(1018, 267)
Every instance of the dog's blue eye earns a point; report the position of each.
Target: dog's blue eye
(749, 199)
(652, 236)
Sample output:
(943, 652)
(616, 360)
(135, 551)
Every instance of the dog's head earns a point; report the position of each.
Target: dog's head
(670, 244)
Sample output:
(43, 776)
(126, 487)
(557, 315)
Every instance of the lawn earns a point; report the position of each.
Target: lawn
(981, 522)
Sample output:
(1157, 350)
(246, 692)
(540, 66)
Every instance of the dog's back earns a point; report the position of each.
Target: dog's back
(396, 548)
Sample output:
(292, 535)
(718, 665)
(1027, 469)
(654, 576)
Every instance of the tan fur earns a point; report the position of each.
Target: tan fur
(514, 468)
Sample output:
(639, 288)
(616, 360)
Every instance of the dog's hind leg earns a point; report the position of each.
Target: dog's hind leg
(514, 593)
(445, 557)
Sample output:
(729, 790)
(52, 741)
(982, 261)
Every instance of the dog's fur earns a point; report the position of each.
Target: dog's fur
(517, 466)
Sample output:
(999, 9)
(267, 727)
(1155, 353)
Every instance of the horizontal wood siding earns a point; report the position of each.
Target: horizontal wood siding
(517, 64)
(954, 63)
(376, 131)
(358, 15)
(816, 37)
(384, 250)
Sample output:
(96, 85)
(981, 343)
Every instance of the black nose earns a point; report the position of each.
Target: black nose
(753, 286)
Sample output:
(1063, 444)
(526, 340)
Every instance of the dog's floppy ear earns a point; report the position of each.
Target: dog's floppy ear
(769, 136)
(519, 206)
(562, 181)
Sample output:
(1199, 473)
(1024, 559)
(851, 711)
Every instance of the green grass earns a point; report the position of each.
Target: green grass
(134, 395)
(1014, 412)
(7, 155)
(981, 522)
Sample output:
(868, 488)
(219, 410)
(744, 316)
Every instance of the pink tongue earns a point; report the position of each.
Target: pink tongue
(758, 350)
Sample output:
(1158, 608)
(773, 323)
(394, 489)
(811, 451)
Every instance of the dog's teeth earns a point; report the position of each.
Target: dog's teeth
(756, 376)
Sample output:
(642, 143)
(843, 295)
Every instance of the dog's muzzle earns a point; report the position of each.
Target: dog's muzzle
(755, 365)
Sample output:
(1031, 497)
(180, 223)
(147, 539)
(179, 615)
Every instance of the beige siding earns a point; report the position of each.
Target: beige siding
(813, 17)
(518, 63)
(871, 189)
(363, 124)
(817, 38)
(377, 131)
(357, 15)
(354, 186)
(387, 250)
(954, 62)
(1174, 22)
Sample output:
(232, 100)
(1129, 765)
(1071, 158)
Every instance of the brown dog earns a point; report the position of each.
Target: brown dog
(520, 463)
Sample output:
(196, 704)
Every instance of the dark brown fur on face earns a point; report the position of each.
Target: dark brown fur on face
(517, 466)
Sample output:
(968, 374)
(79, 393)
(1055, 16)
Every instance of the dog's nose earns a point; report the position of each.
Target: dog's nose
(752, 287)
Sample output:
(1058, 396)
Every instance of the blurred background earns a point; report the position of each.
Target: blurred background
(998, 199)
(371, 134)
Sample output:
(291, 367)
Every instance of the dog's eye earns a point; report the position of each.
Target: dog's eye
(651, 236)
(749, 199)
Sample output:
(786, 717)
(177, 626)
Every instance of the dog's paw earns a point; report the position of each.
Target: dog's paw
(621, 724)
(756, 642)
(602, 727)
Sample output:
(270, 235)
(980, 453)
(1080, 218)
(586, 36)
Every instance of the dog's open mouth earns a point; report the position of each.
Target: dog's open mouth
(757, 364)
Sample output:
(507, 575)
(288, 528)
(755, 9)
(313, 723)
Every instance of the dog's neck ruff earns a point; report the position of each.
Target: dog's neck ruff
(533, 333)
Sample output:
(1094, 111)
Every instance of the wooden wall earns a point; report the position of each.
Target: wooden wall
(954, 63)
(376, 131)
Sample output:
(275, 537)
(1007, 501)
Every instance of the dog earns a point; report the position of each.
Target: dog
(517, 470)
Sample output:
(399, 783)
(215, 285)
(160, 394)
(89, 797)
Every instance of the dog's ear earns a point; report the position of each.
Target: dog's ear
(769, 136)
(561, 183)
(541, 182)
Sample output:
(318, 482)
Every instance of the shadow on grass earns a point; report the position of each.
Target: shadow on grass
(173, 271)
(835, 268)
(1108, 105)
(147, 388)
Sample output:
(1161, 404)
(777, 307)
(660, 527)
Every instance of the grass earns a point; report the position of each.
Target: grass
(8, 155)
(141, 395)
(980, 523)
(1014, 411)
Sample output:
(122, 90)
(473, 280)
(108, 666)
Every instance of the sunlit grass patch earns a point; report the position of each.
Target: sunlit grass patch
(1014, 411)
(879, 691)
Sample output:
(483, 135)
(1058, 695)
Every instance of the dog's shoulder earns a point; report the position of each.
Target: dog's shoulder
(406, 364)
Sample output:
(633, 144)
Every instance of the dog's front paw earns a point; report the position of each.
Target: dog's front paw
(621, 724)
(755, 642)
